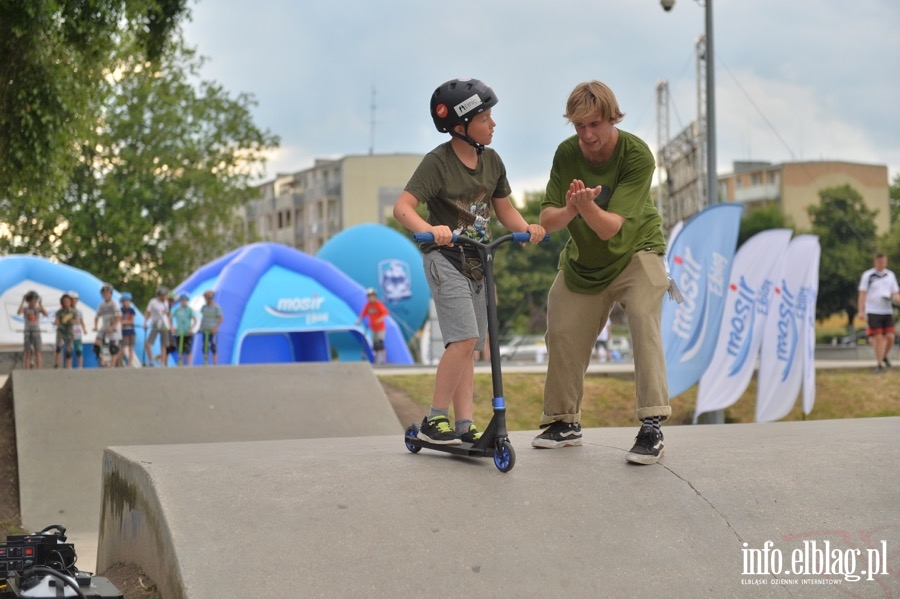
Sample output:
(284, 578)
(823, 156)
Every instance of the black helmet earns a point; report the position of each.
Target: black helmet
(162, 290)
(458, 100)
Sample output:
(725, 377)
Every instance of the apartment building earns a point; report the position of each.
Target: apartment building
(795, 186)
(306, 208)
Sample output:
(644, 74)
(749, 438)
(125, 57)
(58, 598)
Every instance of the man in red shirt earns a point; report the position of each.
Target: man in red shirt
(375, 311)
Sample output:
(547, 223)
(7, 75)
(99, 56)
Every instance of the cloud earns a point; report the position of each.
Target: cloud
(823, 74)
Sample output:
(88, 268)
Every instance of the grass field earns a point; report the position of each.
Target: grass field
(609, 400)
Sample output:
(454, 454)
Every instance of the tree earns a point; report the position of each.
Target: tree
(54, 57)
(894, 200)
(524, 275)
(761, 219)
(846, 230)
(155, 189)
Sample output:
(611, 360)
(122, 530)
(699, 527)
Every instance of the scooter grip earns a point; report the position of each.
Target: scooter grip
(427, 237)
(525, 236)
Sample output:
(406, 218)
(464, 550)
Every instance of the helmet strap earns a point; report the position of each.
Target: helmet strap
(479, 148)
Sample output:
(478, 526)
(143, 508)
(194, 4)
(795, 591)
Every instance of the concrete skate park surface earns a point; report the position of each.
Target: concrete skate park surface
(363, 517)
(66, 418)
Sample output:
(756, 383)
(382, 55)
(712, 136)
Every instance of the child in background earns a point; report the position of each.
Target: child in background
(109, 319)
(210, 320)
(65, 324)
(128, 332)
(376, 312)
(31, 309)
(78, 329)
(183, 322)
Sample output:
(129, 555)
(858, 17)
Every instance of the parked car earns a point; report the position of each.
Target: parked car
(620, 344)
(524, 347)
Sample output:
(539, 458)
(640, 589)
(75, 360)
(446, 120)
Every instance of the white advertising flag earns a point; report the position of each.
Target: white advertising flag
(786, 354)
(757, 266)
(809, 360)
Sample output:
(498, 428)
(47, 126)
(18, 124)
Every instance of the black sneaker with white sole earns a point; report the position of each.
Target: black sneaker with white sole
(558, 434)
(438, 430)
(648, 446)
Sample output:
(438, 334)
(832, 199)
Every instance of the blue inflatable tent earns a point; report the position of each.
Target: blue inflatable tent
(281, 305)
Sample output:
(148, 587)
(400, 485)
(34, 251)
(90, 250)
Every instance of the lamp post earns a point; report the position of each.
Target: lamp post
(712, 180)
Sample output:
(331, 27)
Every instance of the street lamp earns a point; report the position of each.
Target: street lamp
(712, 180)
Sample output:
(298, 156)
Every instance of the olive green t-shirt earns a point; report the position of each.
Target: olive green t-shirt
(589, 263)
(457, 196)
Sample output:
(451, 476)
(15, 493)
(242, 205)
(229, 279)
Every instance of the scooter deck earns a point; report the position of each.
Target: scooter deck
(477, 450)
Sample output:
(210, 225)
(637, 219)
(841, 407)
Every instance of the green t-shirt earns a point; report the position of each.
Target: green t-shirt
(66, 317)
(589, 263)
(457, 196)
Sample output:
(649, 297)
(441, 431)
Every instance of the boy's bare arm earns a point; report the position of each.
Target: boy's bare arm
(406, 215)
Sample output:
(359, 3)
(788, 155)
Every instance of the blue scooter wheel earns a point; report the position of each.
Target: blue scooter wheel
(504, 456)
(411, 431)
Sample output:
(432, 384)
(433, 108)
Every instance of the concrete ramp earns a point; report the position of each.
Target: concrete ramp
(66, 418)
(365, 518)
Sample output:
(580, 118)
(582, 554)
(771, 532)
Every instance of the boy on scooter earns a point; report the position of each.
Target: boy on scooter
(461, 182)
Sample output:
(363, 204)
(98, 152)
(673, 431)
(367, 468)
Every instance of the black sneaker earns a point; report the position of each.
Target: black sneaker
(879, 369)
(648, 446)
(887, 363)
(471, 435)
(558, 434)
(439, 431)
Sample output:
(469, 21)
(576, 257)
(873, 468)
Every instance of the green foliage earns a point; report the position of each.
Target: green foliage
(154, 192)
(846, 230)
(761, 219)
(894, 200)
(524, 275)
(54, 59)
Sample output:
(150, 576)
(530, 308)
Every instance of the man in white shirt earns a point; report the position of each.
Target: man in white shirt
(877, 289)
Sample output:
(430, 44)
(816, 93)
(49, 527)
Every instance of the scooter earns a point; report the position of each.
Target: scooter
(494, 441)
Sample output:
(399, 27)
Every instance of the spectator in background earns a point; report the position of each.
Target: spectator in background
(31, 308)
(602, 344)
(156, 318)
(78, 330)
(877, 290)
(210, 320)
(109, 333)
(375, 312)
(128, 333)
(65, 329)
(183, 322)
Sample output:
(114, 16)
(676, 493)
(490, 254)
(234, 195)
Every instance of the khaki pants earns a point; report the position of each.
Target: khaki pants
(574, 321)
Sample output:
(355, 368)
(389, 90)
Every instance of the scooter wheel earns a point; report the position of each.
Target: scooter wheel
(411, 431)
(504, 456)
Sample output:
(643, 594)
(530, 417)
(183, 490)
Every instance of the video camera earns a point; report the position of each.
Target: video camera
(42, 566)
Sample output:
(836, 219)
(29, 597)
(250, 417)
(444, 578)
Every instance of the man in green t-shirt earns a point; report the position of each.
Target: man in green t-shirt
(599, 190)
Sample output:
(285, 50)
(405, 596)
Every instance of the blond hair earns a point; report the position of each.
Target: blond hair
(592, 99)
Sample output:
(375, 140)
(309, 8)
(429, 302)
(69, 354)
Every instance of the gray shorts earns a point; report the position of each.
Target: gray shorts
(165, 337)
(460, 302)
(33, 341)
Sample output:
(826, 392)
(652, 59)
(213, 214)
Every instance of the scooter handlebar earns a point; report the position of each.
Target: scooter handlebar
(521, 237)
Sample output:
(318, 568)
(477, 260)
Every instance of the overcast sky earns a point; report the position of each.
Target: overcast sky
(795, 80)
